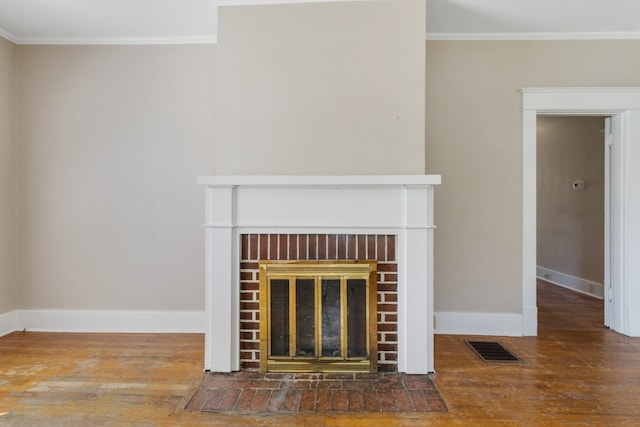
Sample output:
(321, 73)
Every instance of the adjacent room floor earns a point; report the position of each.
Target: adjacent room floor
(576, 371)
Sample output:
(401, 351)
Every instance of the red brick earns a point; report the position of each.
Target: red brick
(291, 401)
(253, 247)
(358, 384)
(387, 267)
(387, 401)
(249, 325)
(273, 246)
(302, 384)
(387, 347)
(391, 248)
(264, 246)
(249, 365)
(332, 246)
(313, 250)
(362, 247)
(339, 401)
(371, 246)
(249, 265)
(419, 400)
(303, 252)
(381, 253)
(260, 400)
(436, 402)
(323, 401)
(387, 327)
(246, 315)
(247, 296)
(250, 305)
(391, 337)
(371, 403)
(418, 382)
(329, 384)
(217, 381)
(283, 250)
(214, 400)
(388, 307)
(351, 246)
(293, 246)
(276, 400)
(402, 400)
(198, 399)
(390, 317)
(322, 246)
(307, 401)
(342, 246)
(356, 401)
(391, 277)
(251, 345)
(390, 297)
(229, 400)
(387, 367)
(251, 286)
(246, 355)
(244, 400)
(387, 287)
(260, 383)
(244, 245)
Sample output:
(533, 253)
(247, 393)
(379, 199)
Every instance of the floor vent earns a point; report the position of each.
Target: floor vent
(491, 351)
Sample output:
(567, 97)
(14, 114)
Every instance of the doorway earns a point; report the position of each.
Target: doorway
(572, 195)
(623, 105)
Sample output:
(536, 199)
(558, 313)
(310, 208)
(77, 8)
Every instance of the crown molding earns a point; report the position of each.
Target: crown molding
(7, 35)
(634, 35)
(116, 40)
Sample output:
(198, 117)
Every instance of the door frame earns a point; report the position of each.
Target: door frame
(623, 105)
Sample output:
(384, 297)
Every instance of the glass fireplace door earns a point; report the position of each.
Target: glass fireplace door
(318, 317)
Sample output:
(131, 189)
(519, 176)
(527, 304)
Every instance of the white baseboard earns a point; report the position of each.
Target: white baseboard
(111, 321)
(496, 324)
(8, 322)
(577, 284)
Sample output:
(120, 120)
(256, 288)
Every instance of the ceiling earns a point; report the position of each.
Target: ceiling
(194, 21)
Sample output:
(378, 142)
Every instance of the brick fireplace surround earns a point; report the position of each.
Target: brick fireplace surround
(291, 247)
(388, 218)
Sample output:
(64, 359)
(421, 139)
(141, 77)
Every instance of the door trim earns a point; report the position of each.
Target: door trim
(623, 105)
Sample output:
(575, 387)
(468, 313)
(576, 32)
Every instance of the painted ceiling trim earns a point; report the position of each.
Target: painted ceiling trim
(114, 40)
(535, 36)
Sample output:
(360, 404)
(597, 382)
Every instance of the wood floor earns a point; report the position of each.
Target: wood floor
(575, 372)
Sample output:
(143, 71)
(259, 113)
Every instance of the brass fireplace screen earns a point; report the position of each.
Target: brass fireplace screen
(318, 316)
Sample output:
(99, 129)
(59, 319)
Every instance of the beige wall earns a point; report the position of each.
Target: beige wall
(111, 139)
(322, 88)
(7, 177)
(474, 139)
(571, 223)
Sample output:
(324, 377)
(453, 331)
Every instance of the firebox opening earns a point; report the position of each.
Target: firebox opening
(318, 316)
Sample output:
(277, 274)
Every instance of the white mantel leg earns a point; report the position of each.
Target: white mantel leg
(221, 338)
(415, 285)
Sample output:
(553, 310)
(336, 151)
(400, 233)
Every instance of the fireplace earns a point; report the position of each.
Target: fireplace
(385, 220)
(318, 316)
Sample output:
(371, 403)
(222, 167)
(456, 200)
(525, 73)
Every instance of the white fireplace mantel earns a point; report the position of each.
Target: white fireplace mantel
(382, 204)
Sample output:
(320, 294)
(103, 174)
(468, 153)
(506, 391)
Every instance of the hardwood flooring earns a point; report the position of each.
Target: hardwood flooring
(574, 372)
